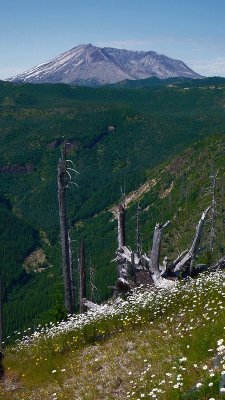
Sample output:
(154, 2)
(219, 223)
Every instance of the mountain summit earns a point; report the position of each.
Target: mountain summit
(91, 65)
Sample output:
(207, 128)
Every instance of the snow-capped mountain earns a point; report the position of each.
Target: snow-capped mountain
(91, 65)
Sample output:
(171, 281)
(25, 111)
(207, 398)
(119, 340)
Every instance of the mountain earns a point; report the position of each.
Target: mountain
(91, 65)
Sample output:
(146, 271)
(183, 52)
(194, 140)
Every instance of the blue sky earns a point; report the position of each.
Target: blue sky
(34, 31)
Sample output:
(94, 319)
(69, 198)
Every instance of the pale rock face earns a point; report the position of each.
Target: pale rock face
(91, 65)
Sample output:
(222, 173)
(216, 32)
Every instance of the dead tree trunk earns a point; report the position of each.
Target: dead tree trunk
(92, 281)
(121, 226)
(191, 254)
(138, 234)
(155, 252)
(177, 260)
(213, 213)
(83, 289)
(64, 233)
(1, 329)
(122, 270)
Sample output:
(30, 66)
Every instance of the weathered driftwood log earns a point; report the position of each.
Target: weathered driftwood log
(64, 233)
(189, 258)
(82, 272)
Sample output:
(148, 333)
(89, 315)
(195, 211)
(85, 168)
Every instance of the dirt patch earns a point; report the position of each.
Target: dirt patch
(167, 191)
(10, 382)
(36, 261)
(135, 195)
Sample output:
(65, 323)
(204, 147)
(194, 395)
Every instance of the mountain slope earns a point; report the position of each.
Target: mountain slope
(115, 137)
(88, 64)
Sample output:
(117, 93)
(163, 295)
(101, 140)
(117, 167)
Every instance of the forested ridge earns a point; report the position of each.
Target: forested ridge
(117, 137)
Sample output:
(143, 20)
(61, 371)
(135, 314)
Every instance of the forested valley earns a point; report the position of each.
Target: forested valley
(169, 133)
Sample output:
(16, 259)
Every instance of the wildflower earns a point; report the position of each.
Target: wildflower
(53, 371)
(198, 385)
(183, 359)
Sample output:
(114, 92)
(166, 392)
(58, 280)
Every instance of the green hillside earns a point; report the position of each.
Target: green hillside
(181, 82)
(116, 137)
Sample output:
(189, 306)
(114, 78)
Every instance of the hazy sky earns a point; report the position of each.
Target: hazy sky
(34, 31)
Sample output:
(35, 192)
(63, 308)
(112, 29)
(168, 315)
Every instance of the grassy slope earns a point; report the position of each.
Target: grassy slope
(155, 345)
(151, 125)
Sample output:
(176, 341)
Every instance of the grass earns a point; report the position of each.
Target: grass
(153, 345)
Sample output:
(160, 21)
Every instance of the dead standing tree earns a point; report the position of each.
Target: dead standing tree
(122, 282)
(131, 264)
(189, 257)
(82, 271)
(156, 249)
(161, 276)
(138, 234)
(63, 181)
(213, 212)
(93, 288)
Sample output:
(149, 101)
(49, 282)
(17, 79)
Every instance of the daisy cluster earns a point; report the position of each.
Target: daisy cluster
(207, 294)
(186, 314)
(156, 301)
